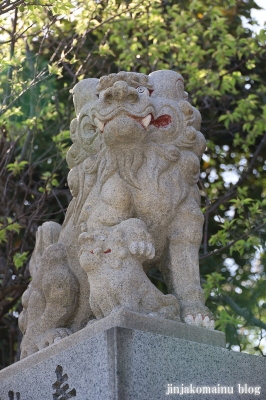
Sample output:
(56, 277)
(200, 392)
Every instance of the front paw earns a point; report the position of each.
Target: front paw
(200, 320)
(199, 315)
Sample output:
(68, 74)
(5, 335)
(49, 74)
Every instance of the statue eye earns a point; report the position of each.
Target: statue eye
(143, 90)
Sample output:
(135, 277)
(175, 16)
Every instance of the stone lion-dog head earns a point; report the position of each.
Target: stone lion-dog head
(120, 117)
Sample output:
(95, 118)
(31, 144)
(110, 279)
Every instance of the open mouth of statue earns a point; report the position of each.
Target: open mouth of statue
(161, 122)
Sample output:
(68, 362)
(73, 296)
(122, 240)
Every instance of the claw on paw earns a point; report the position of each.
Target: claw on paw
(200, 320)
(133, 248)
(142, 248)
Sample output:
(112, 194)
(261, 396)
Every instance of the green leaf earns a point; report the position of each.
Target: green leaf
(213, 284)
(16, 167)
(20, 258)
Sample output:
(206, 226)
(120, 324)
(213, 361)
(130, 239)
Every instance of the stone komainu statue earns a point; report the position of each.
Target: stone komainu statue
(135, 163)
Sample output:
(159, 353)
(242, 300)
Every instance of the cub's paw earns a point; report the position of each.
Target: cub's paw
(52, 336)
(142, 248)
(138, 239)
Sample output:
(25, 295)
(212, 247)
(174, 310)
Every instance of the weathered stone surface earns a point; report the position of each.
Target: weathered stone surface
(115, 273)
(110, 360)
(135, 163)
(50, 301)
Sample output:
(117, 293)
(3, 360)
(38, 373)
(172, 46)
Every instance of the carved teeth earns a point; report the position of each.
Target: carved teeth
(146, 121)
(99, 124)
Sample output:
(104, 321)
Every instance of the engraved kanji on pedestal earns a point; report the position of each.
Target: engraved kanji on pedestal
(13, 396)
(61, 387)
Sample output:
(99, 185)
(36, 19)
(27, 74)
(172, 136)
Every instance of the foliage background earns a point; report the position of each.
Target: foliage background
(46, 47)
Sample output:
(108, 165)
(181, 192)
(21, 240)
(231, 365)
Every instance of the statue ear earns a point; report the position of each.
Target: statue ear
(168, 84)
(84, 92)
(82, 131)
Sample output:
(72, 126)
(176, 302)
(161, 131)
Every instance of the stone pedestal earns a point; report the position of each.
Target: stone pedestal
(128, 356)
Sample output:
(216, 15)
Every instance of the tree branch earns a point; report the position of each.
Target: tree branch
(213, 253)
(229, 194)
(249, 317)
(12, 50)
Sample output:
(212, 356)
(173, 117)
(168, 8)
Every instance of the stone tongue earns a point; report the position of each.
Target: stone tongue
(162, 121)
